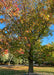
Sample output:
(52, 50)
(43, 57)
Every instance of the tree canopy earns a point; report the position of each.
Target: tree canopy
(26, 23)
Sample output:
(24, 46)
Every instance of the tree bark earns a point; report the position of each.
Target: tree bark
(30, 66)
(30, 59)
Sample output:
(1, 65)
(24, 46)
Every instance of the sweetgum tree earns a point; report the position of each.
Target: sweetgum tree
(26, 23)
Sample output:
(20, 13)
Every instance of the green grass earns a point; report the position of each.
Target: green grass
(44, 70)
(21, 70)
(11, 72)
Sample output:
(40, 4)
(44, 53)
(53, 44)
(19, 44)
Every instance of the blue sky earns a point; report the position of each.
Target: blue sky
(48, 39)
(2, 25)
(45, 40)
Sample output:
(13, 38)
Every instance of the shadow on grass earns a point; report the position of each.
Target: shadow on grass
(11, 72)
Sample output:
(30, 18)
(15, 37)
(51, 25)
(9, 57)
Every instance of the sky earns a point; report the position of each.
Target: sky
(45, 40)
(2, 25)
(48, 39)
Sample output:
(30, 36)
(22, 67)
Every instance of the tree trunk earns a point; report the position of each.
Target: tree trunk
(30, 66)
(9, 63)
(30, 59)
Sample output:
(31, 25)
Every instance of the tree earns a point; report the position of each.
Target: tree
(26, 23)
(50, 54)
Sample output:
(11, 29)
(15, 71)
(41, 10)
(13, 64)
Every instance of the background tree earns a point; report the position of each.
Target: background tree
(26, 23)
(50, 59)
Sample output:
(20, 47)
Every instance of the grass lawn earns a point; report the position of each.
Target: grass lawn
(21, 70)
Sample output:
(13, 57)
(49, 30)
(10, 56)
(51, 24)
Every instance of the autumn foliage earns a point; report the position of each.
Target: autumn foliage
(27, 21)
